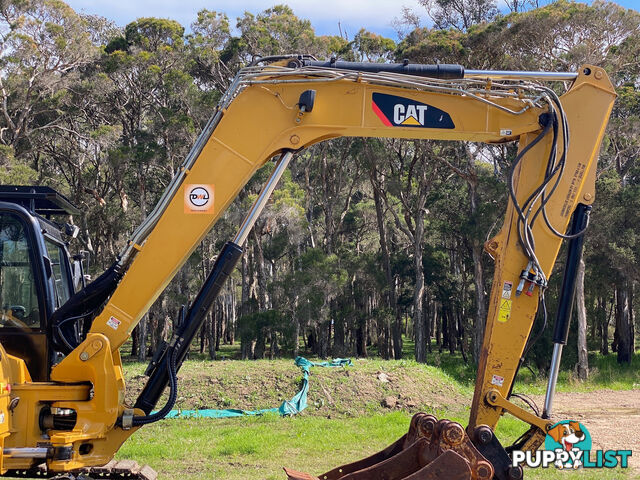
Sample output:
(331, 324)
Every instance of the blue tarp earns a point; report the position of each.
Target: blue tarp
(290, 407)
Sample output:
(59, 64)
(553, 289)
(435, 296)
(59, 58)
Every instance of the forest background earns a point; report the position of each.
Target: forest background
(367, 244)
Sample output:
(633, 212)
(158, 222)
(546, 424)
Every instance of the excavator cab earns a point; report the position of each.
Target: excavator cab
(37, 275)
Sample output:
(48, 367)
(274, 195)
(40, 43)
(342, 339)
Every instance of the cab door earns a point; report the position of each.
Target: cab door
(23, 300)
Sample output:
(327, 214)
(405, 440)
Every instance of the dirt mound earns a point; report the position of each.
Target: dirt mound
(366, 387)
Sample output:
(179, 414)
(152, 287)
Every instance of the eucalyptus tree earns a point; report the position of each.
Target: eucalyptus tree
(42, 44)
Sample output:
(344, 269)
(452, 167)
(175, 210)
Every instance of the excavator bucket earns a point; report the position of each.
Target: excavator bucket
(432, 449)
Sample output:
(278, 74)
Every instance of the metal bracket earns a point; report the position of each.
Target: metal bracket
(495, 398)
(127, 419)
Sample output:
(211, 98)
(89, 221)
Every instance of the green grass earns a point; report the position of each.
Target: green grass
(345, 419)
(258, 448)
(604, 373)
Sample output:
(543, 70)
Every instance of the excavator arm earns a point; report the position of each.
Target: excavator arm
(276, 110)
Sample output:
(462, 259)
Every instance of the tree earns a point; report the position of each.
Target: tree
(410, 175)
(275, 31)
(459, 14)
(215, 59)
(42, 44)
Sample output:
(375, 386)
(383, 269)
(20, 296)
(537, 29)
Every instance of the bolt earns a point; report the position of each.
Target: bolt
(97, 345)
(453, 434)
(598, 75)
(587, 197)
(84, 356)
(484, 471)
(426, 426)
(484, 435)
(514, 473)
(294, 139)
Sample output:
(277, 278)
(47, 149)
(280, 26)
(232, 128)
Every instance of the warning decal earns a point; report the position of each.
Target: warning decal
(505, 310)
(506, 290)
(497, 380)
(113, 322)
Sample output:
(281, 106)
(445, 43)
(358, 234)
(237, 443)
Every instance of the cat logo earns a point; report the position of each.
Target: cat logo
(397, 111)
(198, 198)
(409, 114)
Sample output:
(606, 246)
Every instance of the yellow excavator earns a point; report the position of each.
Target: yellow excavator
(62, 389)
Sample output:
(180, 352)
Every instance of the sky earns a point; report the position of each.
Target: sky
(374, 15)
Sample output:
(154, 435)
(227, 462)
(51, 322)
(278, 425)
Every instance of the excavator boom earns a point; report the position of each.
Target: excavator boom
(275, 110)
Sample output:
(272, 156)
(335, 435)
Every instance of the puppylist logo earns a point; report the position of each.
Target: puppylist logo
(568, 445)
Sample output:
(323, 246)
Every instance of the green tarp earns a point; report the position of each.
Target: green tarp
(290, 407)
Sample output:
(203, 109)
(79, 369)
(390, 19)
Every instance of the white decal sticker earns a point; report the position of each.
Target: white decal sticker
(113, 322)
(2, 417)
(505, 132)
(506, 290)
(198, 198)
(497, 380)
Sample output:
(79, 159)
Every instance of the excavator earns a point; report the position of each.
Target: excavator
(62, 390)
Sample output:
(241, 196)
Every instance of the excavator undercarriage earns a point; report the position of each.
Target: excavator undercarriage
(114, 470)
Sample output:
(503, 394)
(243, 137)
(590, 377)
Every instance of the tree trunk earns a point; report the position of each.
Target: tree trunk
(453, 331)
(247, 349)
(438, 326)
(361, 339)
(263, 294)
(134, 342)
(624, 323)
(324, 339)
(211, 335)
(606, 321)
(246, 284)
(426, 314)
(391, 298)
(338, 336)
(296, 331)
(480, 316)
(444, 325)
(583, 357)
(418, 322)
(462, 336)
(142, 338)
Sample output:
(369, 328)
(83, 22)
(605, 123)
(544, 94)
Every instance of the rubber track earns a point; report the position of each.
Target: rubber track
(121, 470)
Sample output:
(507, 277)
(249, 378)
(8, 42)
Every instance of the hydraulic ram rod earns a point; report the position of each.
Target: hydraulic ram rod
(567, 299)
(439, 70)
(223, 267)
(517, 75)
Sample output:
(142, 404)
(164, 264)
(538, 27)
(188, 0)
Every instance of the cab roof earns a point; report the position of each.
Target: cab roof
(41, 200)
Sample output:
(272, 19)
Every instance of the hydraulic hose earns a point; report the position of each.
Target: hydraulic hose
(171, 360)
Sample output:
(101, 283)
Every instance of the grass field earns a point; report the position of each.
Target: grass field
(345, 419)
(258, 448)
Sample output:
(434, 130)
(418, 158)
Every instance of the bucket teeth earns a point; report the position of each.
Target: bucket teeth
(432, 449)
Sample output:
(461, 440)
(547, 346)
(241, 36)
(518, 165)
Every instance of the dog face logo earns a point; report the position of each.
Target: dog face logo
(567, 434)
(570, 436)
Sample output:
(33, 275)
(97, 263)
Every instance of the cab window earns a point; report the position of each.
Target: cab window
(18, 294)
(57, 256)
